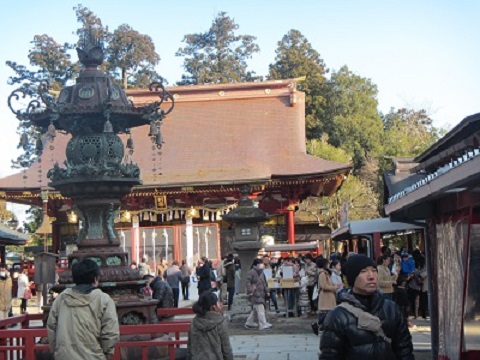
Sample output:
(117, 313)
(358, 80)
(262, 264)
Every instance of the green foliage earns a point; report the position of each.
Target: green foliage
(33, 220)
(218, 55)
(322, 149)
(132, 54)
(361, 199)
(296, 58)
(408, 132)
(51, 63)
(32, 223)
(354, 123)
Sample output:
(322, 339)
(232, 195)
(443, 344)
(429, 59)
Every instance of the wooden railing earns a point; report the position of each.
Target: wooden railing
(22, 343)
(174, 311)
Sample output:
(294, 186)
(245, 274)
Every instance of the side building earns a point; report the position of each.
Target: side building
(442, 194)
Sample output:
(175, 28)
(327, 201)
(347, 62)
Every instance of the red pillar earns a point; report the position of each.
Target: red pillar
(377, 238)
(291, 226)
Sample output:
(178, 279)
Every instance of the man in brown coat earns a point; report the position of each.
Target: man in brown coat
(257, 290)
(5, 292)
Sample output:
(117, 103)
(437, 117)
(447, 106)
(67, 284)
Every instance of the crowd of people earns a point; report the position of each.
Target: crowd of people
(362, 307)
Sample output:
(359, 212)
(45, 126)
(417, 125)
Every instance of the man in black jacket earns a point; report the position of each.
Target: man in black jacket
(161, 292)
(345, 337)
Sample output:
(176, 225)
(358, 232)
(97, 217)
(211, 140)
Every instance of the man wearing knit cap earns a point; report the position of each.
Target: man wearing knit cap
(364, 325)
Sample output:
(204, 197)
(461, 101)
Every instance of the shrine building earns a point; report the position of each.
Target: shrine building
(217, 139)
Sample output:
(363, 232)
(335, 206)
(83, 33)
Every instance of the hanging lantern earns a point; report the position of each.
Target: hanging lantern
(219, 215)
(72, 217)
(127, 216)
(205, 215)
(130, 144)
(51, 132)
(153, 217)
(153, 129)
(108, 127)
(159, 140)
(39, 145)
(23, 139)
(146, 216)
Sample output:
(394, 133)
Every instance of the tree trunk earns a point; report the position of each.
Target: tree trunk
(124, 78)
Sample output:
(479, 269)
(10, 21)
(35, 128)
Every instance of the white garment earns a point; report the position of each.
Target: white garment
(259, 310)
(22, 285)
(336, 279)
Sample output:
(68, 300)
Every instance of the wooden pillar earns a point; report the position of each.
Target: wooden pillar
(291, 226)
(2, 254)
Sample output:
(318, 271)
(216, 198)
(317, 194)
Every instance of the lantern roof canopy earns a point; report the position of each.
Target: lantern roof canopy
(94, 104)
(246, 211)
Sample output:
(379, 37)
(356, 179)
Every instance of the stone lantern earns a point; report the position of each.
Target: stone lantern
(246, 218)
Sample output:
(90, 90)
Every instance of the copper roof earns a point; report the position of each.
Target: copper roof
(217, 134)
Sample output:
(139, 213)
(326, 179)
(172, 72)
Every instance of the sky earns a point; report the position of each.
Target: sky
(420, 54)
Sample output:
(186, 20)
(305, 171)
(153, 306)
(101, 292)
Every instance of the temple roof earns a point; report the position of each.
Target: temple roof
(216, 135)
(12, 237)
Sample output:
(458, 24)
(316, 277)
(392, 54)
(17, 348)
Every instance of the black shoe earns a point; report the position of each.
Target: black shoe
(315, 328)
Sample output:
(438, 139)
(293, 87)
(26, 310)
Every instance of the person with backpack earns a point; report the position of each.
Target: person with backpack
(364, 325)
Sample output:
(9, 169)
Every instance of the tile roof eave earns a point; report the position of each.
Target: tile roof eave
(456, 177)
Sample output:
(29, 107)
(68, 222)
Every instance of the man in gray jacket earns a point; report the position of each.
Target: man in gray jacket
(83, 322)
(257, 290)
(173, 276)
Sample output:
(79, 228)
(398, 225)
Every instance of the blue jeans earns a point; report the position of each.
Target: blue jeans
(388, 296)
(273, 298)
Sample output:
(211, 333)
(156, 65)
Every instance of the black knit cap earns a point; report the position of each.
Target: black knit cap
(354, 265)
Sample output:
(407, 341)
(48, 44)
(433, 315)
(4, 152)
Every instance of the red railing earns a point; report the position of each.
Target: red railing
(175, 311)
(22, 343)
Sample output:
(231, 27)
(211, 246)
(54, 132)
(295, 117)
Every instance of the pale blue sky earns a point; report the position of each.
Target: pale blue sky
(419, 53)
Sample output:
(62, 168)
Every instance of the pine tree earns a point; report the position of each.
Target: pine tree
(219, 55)
(297, 58)
(351, 116)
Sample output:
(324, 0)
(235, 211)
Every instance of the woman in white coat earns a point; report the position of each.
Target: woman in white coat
(23, 284)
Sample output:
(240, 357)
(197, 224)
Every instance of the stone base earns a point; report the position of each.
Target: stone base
(241, 308)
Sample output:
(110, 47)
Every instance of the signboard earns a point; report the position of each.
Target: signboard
(161, 202)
